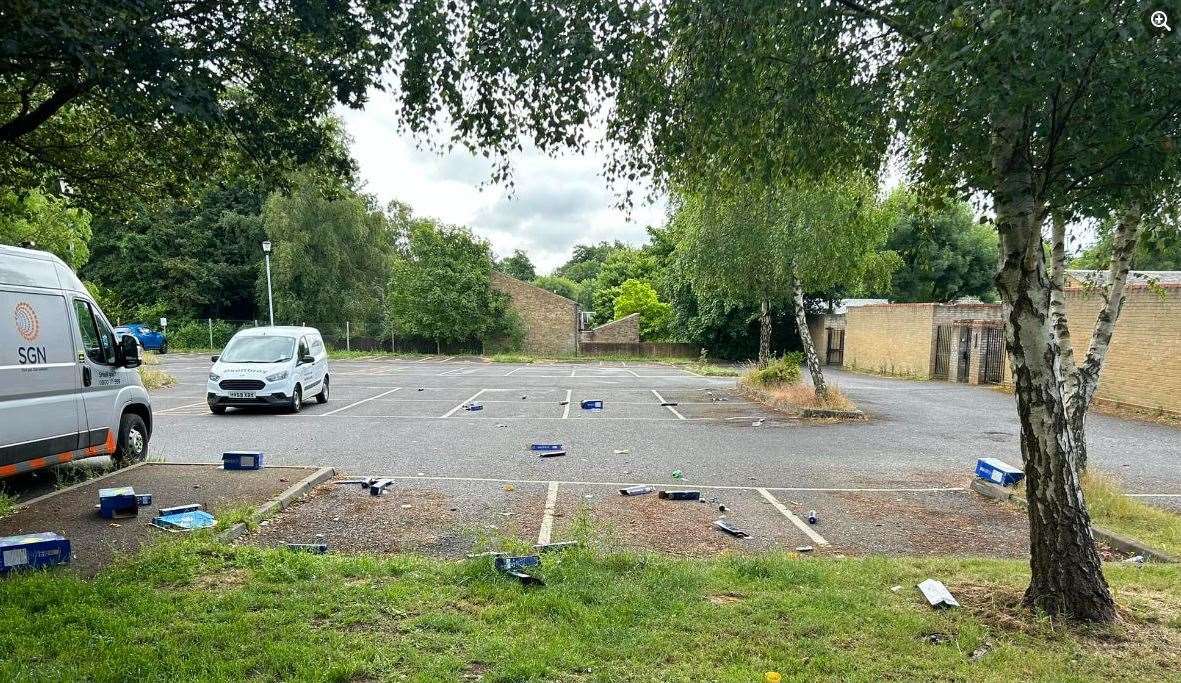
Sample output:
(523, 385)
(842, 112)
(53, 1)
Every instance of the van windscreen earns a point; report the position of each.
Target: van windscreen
(258, 350)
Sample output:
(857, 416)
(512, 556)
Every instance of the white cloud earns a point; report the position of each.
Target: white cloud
(556, 202)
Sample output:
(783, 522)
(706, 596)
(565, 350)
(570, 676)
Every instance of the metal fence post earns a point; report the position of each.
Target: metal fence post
(347, 345)
(210, 321)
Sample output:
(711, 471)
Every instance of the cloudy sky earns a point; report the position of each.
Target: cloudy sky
(555, 204)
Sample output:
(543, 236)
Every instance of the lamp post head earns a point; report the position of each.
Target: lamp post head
(266, 246)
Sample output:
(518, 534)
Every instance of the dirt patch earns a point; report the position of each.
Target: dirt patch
(726, 599)
(433, 519)
(95, 541)
(798, 401)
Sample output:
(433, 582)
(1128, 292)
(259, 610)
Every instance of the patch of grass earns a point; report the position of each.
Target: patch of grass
(1112, 509)
(155, 379)
(784, 370)
(150, 358)
(690, 364)
(804, 396)
(7, 503)
(72, 473)
(195, 609)
(228, 517)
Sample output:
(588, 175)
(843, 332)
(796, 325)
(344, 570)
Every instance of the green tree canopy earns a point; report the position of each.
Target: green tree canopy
(440, 287)
(50, 223)
(619, 266)
(518, 265)
(559, 285)
(1159, 248)
(638, 296)
(127, 100)
(946, 254)
(319, 275)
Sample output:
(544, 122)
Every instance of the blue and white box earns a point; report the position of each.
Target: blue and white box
(30, 551)
(545, 446)
(998, 471)
(118, 502)
(592, 405)
(241, 460)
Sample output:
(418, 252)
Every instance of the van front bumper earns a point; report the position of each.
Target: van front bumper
(277, 398)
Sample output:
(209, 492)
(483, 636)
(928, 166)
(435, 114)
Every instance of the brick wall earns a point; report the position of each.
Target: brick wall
(894, 339)
(624, 330)
(1143, 365)
(551, 320)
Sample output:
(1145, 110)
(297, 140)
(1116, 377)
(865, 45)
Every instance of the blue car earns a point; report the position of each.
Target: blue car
(149, 339)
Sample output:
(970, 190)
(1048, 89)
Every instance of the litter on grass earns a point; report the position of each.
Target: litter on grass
(30, 551)
(314, 548)
(937, 594)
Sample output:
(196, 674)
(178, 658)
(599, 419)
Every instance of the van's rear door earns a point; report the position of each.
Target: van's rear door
(41, 411)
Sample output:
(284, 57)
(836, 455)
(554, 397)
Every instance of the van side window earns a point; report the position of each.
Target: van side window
(97, 338)
(317, 344)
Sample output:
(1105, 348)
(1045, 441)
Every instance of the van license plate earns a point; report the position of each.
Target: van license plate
(241, 394)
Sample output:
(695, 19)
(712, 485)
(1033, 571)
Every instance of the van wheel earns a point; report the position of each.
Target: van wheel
(296, 401)
(322, 397)
(132, 446)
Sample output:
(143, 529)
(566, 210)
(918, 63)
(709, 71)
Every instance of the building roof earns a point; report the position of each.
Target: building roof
(1136, 278)
(844, 305)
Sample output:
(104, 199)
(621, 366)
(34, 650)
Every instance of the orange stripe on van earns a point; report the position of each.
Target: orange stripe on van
(37, 463)
(7, 470)
(66, 457)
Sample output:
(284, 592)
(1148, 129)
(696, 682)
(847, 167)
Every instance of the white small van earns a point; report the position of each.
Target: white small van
(68, 388)
(269, 366)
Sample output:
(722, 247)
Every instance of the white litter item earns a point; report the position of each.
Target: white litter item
(937, 594)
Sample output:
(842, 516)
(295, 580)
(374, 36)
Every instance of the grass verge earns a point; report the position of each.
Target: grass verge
(7, 503)
(1111, 508)
(154, 378)
(194, 609)
(778, 385)
(690, 364)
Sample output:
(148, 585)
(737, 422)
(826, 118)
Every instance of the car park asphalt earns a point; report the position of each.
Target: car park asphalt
(404, 417)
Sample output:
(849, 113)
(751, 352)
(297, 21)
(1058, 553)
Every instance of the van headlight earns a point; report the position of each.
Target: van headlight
(213, 377)
(277, 376)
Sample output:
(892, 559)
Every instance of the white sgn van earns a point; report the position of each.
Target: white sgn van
(68, 389)
(269, 366)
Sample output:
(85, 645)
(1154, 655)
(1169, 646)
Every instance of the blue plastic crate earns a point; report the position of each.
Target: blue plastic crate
(30, 551)
(241, 460)
(592, 405)
(118, 502)
(998, 471)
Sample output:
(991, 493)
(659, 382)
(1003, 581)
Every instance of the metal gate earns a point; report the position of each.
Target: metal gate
(942, 351)
(965, 355)
(992, 350)
(835, 354)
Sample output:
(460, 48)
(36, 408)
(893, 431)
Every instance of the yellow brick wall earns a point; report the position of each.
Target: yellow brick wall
(1143, 365)
(893, 339)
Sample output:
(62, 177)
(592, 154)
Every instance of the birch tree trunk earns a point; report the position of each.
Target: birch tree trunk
(1066, 576)
(764, 333)
(810, 356)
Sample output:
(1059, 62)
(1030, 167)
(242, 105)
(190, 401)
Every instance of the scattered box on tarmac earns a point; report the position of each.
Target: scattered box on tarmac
(545, 446)
(680, 494)
(998, 471)
(184, 521)
(30, 551)
(592, 405)
(119, 502)
(241, 460)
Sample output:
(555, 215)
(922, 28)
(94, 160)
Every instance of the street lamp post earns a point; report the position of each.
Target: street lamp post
(266, 252)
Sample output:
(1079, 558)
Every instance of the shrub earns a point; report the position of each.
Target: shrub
(782, 370)
(194, 334)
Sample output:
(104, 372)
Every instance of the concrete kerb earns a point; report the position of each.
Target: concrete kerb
(84, 482)
(1106, 536)
(284, 499)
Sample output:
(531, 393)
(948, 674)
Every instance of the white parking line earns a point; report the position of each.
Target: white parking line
(452, 372)
(357, 403)
(661, 399)
(633, 372)
(547, 518)
(1153, 495)
(572, 371)
(717, 487)
(423, 359)
(451, 412)
(566, 411)
(187, 405)
(816, 538)
(448, 358)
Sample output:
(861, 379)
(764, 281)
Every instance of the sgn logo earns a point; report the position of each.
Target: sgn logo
(29, 328)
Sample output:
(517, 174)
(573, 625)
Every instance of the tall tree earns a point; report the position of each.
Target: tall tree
(619, 266)
(946, 254)
(124, 99)
(638, 296)
(560, 285)
(440, 290)
(1036, 106)
(766, 245)
(49, 223)
(518, 265)
(320, 277)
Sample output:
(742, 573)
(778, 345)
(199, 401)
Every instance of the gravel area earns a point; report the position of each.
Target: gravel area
(95, 541)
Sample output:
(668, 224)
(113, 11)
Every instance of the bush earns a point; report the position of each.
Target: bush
(782, 370)
(194, 334)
